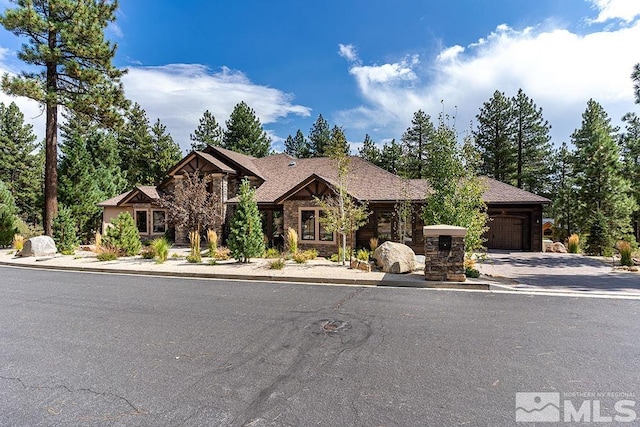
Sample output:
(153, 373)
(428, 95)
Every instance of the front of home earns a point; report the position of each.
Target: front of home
(285, 191)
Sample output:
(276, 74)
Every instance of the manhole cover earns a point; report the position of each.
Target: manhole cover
(330, 326)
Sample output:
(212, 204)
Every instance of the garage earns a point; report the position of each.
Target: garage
(506, 232)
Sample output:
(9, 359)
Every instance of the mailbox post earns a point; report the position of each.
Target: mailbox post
(444, 253)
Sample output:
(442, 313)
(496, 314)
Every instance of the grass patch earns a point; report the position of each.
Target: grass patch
(277, 264)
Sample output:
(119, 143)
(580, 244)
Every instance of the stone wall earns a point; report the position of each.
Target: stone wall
(444, 265)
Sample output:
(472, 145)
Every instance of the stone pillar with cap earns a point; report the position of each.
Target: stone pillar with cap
(444, 253)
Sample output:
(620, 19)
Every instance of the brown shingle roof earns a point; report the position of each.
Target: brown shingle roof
(500, 193)
(242, 160)
(114, 200)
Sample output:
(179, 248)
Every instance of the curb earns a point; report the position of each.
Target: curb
(265, 278)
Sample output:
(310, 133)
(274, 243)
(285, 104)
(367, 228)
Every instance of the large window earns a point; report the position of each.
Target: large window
(159, 222)
(310, 228)
(141, 222)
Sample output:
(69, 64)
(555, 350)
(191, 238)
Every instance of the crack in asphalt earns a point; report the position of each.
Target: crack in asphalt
(340, 303)
(137, 411)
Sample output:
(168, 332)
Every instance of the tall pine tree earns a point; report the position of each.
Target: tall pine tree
(319, 137)
(208, 133)
(65, 38)
(244, 133)
(494, 139)
(415, 142)
(166, 152)
(598, 174)
(338, 144)
(135, 145)
(297, 146)
(630, 147)
(392, 158)
(565, 205)
(369, 151)
(20, 163)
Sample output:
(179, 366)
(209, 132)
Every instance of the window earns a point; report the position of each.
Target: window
(308, 224)
(159, 222)
(311, 230)
(141, 222)
(384, 221)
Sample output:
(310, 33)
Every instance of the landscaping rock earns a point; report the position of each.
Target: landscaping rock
(39, 246)
(556, 247)
(395, 258)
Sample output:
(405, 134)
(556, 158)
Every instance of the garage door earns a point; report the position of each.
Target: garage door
(505, 232)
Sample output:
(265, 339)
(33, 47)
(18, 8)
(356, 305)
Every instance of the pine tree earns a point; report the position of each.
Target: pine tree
(532, 143)
(245, 134)
(392, 158)
(338, 144)
(166, 152)
(64, 231)
(123, 235)
(369, 151)
(246, 239)
(635, 76)
(20, 167)
(66, 39)
(598, 177)
(565, 205)
(208, 133)
(297, 146)
(494, 139)
(415, 142)
(319, 137)
(7, 216)
(630, 148)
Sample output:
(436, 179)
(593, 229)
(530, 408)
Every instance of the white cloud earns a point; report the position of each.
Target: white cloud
(559, 69)
(348, 52)
(625, 10)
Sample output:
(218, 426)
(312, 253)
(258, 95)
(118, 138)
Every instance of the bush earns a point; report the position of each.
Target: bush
(373, 244)
(107, 253)
(161, 248)
(625, 253)
(292, 240)
(64, 232)
(246, 240)
(304, 256)
(338, 257)
(18, 242)
(8, 218)
(147, 252)
(362, 255)
(123, 235)
(194, 259)
(277, 264)
(222, 254)
(194, 240)
(471, 272)
(212, 241)
(598, 239)
(573, 244)
(272, 253)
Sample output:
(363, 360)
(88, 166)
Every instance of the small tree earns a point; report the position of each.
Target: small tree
(246, 239)
(123, 235)
(192, 207)
(341, 213)
(64, 231)
(7, 216)
(598, 240)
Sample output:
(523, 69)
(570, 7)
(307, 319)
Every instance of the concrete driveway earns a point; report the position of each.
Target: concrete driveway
(559, 272)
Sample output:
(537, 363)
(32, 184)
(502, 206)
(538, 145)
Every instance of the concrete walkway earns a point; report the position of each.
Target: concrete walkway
(559, 272)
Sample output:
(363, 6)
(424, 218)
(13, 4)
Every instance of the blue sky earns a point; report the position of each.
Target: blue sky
(367, 65)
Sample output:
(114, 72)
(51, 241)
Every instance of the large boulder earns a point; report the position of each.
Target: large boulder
(39, 246)
(395, 258)
(556, 247)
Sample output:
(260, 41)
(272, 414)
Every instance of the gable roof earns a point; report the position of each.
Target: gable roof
(147, 192)
(239, 160)
(498, 192)
(218, 164)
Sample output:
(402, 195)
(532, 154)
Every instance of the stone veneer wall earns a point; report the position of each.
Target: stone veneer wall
(292, 219)
(447, 266)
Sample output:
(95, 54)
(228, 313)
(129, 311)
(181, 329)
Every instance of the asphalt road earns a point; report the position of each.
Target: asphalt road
(89, 349)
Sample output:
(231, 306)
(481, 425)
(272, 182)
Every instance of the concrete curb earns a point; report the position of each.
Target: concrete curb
(266, 278)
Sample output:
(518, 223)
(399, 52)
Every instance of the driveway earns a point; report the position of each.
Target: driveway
(560, 272)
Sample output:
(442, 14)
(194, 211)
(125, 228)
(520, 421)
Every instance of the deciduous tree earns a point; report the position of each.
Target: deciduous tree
(65, 39)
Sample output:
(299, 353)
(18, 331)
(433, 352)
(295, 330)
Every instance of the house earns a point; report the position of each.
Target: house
(285, 187)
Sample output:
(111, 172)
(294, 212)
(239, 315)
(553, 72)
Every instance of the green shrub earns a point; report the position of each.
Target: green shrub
(277, 264)
(272, 253)
(161, 248)
(338, 257)
(8, 218)
(299, 257)
(573, 245)
(246, 240)
(362, 255)
(471, 272)
(123, 235)
(625, 253)
(311, 254)
(64, 232)
(107, 253)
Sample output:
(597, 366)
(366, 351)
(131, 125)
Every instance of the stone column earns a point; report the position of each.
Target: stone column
(444, 253)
